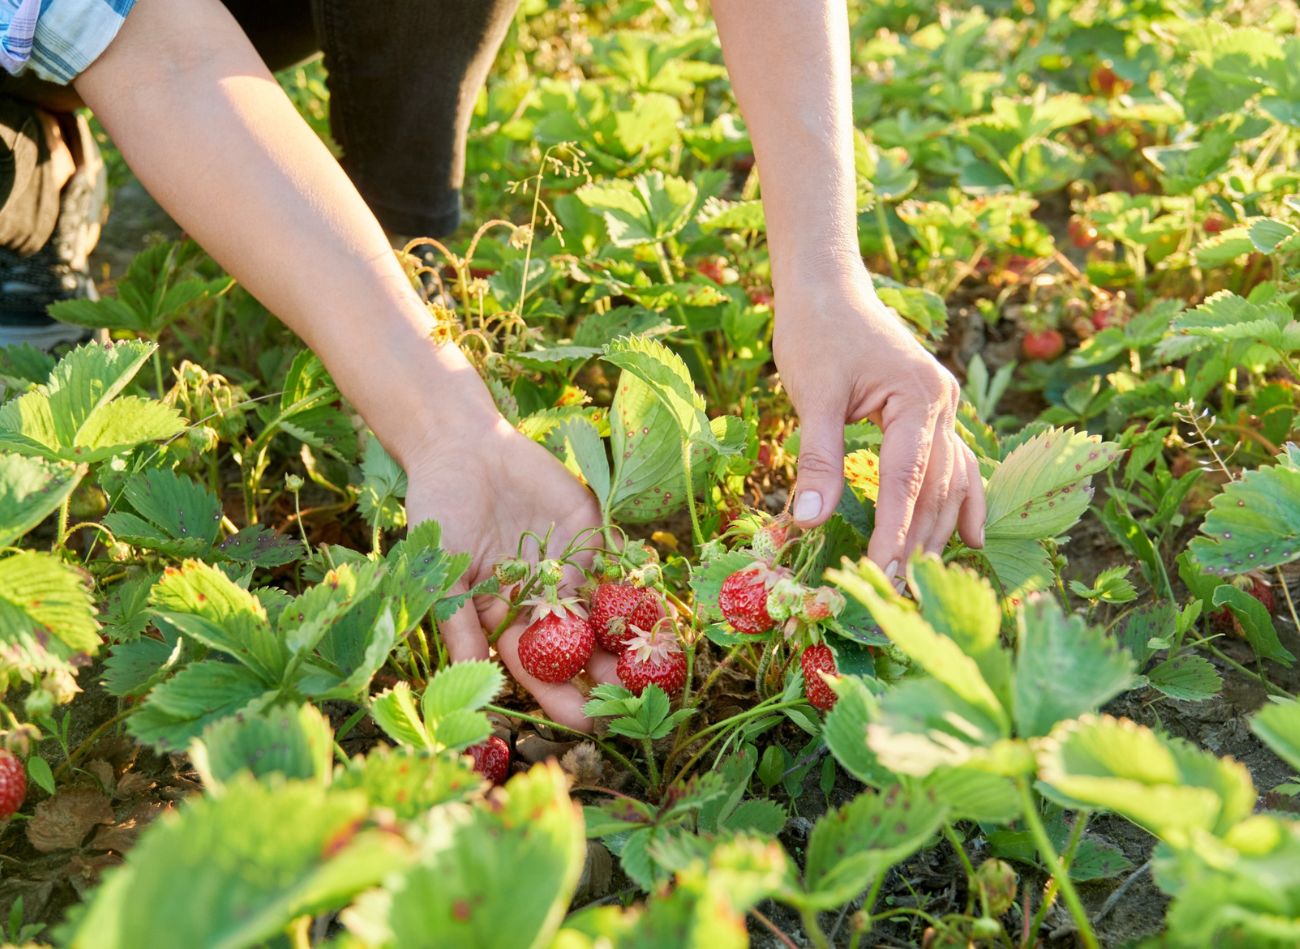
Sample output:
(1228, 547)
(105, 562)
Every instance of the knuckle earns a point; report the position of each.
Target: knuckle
(816, 462)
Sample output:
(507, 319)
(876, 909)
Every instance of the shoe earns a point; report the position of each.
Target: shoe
(61, 269)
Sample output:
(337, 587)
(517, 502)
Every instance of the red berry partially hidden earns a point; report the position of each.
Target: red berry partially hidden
(13, 783)
(491, 759)
(618, 607)
(1044, 345)
(743, 599)
(653, 658)
(815, 660)
(1082, 233)
(557, 645)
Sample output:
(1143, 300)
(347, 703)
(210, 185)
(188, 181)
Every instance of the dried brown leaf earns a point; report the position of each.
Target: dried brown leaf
(62, 822)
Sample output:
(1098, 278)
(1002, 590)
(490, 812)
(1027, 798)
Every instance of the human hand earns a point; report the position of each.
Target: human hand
(487, 488)
(844, 356)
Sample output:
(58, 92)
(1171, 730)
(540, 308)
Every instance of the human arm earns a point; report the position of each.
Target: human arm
(214, 139)
(842, 354)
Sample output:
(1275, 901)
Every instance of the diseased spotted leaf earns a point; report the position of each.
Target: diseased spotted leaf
(1044, 485)
(1254, 523)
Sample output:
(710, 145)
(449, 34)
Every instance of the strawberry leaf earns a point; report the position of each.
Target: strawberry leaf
(650, 208)
(30, 489)
(181, 518)
(1166, 785)
(77, 414)
(851, 847)
(383, 485)
(1254, 524)
(42, 597)
(1187, 678)
(1063, 668)
(1278, 726)
(296, 743)
(1043, 487)
(234, 870)
(516, 861)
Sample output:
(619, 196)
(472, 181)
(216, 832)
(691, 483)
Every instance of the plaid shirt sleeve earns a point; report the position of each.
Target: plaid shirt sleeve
(57, 39)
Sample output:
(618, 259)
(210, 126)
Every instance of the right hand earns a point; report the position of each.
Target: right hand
(487, 487)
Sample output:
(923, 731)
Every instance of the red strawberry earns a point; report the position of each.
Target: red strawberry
(491, 759)
(557, 644)
(815, 660)
(617, 607)
(653, 658)
(1082, 233)
(1214, 224)
(743, 598)
(13, 783)
(1044, 345)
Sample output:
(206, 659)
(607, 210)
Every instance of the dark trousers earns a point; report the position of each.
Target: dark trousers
(403, 76)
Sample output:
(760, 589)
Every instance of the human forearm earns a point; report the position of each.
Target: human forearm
(789, 67)
(211, 135)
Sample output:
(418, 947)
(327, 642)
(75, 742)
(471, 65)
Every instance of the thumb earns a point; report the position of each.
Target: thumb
(821, 468)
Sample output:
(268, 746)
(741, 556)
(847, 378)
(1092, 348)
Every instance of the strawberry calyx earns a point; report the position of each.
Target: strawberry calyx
(550, 603)
(655, 645)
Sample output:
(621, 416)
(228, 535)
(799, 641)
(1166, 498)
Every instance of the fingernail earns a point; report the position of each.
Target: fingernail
(807, 505)
(899, 587)
(981, 535)
(892, 569)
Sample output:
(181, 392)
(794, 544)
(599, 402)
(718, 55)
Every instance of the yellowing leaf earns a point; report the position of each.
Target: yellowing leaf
(862, 469)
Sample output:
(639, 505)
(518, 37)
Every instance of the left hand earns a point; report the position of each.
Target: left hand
(844, 356)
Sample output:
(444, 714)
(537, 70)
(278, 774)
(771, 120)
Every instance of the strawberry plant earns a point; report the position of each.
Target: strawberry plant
(228, 714)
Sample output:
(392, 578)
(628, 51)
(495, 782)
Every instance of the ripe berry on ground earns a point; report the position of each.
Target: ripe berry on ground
(743, 598)
(557, 644)
(618, 607)
(653, 658)
(815, 660)
(491, 759)
(13, 783)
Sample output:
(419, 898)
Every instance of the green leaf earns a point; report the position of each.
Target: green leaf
(975, 795)
(351, 681)
(1064, 668)
(1255, 622)
(30, 490)
(938, 655)
(668, 378)
(650, 208)
(235, 870)
(460, 728)
(1254, 524)
(394, 711)
(461, 686)
(288, 741)
(845, 732)
(579, 446)
(259, 547)
(41, 597)
(78, 415)
(177, 710)
(182, 518)
(206, 605)
(499, 876)
(383, 485)
(1226, 317)
(957, 602)
(1187, 678)
(1165, 785)
(1021, 564)
(409, 782)
(1043, 487)
(38, 770)
(1278, 726)
(852, 846)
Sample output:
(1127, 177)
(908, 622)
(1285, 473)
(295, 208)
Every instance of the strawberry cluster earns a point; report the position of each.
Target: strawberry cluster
(624, 614)
(762, 596)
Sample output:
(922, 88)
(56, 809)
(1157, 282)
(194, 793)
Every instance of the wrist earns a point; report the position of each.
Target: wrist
(815, 266)
(419, 396)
